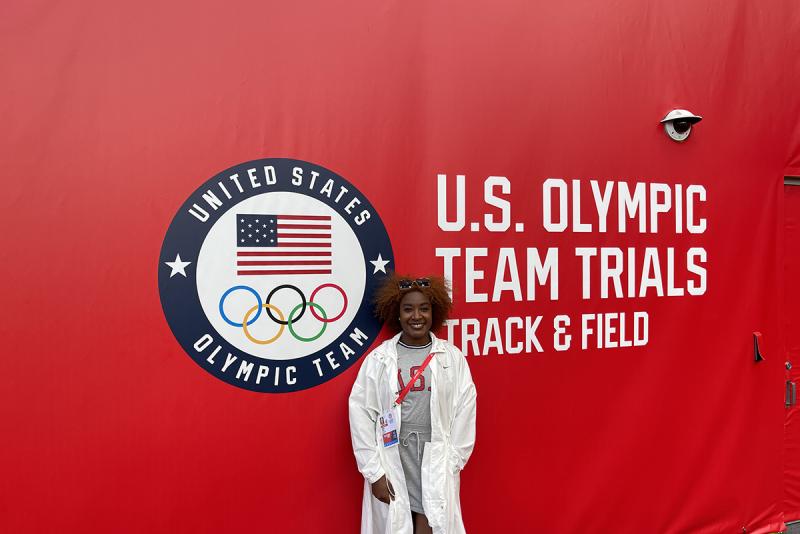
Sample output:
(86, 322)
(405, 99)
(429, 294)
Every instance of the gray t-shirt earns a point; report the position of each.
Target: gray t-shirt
(416, 408)
(415, 426)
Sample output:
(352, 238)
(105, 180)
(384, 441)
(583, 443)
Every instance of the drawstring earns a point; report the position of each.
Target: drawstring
(404, 441)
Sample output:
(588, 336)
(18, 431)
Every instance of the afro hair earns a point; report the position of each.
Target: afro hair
(389, 295)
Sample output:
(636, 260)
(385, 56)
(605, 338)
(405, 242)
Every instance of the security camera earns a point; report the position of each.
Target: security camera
(678, 124)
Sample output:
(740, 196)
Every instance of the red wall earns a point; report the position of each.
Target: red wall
(115, 112)
(791, 324)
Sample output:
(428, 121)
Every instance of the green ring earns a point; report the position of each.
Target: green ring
(307, 339)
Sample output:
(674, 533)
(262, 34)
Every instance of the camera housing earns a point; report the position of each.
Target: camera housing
(678, 124)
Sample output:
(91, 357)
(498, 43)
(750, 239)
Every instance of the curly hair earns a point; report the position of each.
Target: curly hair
(388, 297)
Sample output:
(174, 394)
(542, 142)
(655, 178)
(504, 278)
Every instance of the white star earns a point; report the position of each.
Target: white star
(178, 266)
(379, 264)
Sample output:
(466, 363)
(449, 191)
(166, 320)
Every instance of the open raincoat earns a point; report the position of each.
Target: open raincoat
(452, 439)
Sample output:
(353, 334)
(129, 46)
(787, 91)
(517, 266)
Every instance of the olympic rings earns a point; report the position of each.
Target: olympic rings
(344, 306)
(302, 296)
(259, 341)
(312, 338)
(254, 313)
(231, 290)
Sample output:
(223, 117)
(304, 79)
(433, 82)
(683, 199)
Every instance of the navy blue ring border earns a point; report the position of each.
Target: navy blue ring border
(181, 303)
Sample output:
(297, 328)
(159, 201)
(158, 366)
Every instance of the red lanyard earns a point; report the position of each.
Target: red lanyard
(404, 392)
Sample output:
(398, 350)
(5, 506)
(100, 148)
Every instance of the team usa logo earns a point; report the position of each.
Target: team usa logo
(267, 272)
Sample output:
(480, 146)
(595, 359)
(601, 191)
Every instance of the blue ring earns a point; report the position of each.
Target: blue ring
(231, 290)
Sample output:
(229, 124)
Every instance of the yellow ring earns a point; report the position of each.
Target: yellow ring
(247, 318)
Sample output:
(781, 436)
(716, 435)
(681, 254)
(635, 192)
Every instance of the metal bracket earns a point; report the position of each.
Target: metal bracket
(791, 393)
(758, 356)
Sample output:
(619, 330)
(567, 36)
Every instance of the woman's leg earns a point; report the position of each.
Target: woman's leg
(421, 525)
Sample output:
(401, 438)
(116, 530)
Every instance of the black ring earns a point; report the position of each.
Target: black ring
(286, 286)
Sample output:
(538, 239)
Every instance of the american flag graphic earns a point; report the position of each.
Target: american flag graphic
(283, 244)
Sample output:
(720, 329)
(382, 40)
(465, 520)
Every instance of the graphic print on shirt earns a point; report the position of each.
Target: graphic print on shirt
(419, 383)
(267, 272)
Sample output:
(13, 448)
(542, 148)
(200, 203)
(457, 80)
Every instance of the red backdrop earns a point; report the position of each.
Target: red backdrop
(114, 112)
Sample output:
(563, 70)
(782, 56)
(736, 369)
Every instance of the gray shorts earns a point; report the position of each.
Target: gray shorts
(412, 445)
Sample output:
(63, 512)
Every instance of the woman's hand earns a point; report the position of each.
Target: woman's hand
(382, 490)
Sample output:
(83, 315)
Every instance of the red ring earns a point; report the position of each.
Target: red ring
(344, 308)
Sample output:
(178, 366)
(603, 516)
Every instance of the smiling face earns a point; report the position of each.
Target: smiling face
(416, 318)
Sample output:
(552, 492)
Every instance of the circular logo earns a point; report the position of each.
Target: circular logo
(267, 273)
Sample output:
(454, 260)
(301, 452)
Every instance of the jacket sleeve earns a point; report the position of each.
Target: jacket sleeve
(364, 409)
(462, 427)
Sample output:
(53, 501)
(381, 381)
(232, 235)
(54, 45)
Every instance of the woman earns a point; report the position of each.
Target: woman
(412, 415)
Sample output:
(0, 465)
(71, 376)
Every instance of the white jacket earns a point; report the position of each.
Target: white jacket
(452, 439)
